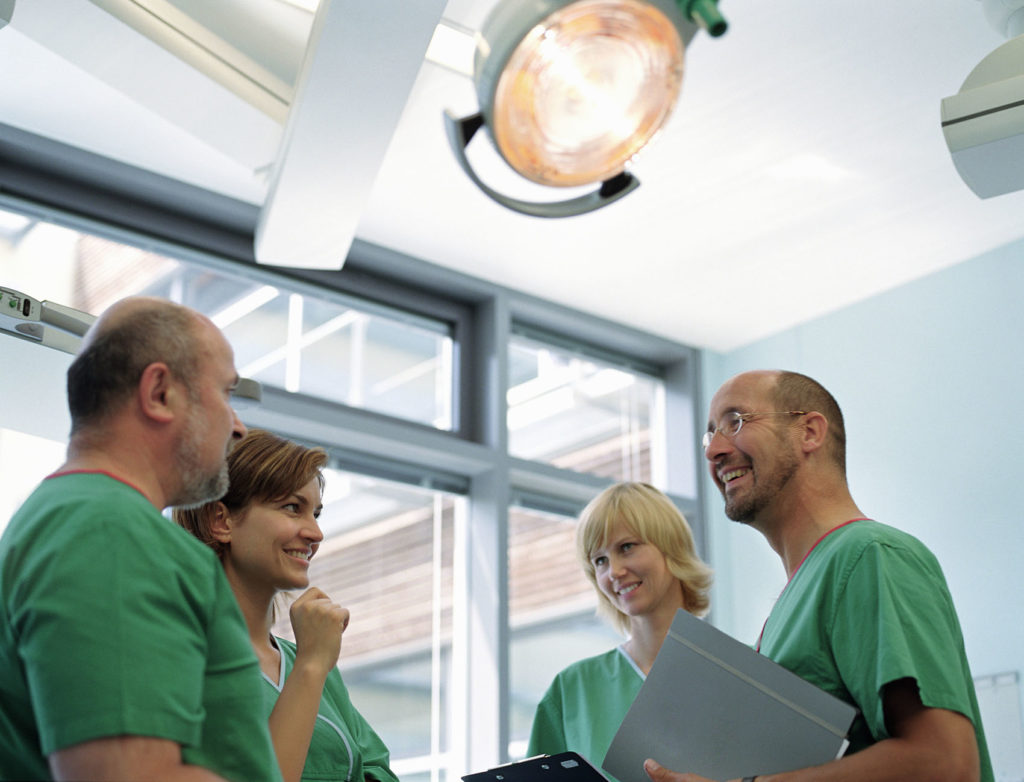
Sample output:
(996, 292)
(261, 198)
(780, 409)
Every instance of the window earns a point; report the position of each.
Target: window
(337, 352)
(582, 413)
(25, 460)
(551, 613)
(389, 361)
(387, 556)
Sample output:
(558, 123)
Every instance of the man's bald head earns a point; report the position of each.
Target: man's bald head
(129, 336)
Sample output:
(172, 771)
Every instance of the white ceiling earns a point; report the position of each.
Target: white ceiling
(804, 169)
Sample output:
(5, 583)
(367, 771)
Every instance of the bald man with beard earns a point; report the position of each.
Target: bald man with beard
(124, 654)
(866, 614)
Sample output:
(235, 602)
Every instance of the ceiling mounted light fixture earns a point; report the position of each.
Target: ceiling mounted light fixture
(983, 124)
(571, 90)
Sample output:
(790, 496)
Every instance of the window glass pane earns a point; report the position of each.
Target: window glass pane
(391, 362)
(387, 557)
(583, 414)
(551, 613)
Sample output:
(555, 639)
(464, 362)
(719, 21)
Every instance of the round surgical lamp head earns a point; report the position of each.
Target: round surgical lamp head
(571, 90)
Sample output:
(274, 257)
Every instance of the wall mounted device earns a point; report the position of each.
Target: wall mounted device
(62, 328)
(49, 324)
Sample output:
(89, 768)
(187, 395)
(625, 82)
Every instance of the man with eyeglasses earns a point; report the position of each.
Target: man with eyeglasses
(866, 614)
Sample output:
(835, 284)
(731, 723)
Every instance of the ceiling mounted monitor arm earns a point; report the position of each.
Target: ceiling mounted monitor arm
(460, 133)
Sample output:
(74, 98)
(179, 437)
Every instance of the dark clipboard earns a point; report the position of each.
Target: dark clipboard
(561, 767)
(713, 706)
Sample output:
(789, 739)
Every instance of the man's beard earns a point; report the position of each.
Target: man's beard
(746, 508)
(198, 486)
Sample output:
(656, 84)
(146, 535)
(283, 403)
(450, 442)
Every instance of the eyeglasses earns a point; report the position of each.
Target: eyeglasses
(731, 423)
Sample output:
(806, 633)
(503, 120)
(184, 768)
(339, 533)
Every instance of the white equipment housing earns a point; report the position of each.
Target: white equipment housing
(984, 123)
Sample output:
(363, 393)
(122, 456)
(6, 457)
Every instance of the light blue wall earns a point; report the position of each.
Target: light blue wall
(930, 377)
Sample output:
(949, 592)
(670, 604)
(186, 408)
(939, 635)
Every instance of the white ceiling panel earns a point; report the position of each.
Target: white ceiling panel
(804, 170)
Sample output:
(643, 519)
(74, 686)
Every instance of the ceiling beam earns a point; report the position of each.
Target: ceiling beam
(151, 75)
(361, 63)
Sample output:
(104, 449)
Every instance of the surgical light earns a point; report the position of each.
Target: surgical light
(571, 90)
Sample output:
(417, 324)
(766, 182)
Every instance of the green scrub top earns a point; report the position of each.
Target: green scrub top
(585, 705)
(115, 621)
(869, 605)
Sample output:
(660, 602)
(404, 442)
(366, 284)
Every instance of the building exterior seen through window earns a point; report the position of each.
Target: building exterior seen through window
(387, 557)
(552, 619)
(580, 413)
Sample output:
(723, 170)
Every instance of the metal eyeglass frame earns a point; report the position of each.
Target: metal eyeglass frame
(740, 418)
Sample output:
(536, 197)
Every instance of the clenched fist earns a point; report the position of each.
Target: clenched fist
(318, 623)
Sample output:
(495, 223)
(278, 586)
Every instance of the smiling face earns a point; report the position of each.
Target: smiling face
(634, 575)
(270, 543)
(753, 467)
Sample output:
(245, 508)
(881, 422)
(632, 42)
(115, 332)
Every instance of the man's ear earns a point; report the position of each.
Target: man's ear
(220, 522)
(813, 432)
(157, 392)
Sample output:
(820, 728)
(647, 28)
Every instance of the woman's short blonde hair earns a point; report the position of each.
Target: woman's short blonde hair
(651, 516)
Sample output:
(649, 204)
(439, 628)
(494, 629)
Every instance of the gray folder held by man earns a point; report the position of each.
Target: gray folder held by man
(713, 706)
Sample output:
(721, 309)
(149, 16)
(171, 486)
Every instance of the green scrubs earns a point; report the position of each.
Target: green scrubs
(585, 705)
(114, 621)
(343, 746)
(868, 606)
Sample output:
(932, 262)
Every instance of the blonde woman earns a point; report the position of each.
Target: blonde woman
(638, 551)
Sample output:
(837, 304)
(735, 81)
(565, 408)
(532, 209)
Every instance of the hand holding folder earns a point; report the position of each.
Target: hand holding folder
(710, 706)
(715, 707)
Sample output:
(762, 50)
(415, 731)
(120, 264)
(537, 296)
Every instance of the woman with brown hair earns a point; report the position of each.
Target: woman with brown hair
(265, 531)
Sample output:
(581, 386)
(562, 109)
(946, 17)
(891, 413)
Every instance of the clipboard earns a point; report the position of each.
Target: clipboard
(561, 767)
(713, 706)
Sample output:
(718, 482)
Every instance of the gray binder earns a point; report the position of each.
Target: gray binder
(713, 706)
